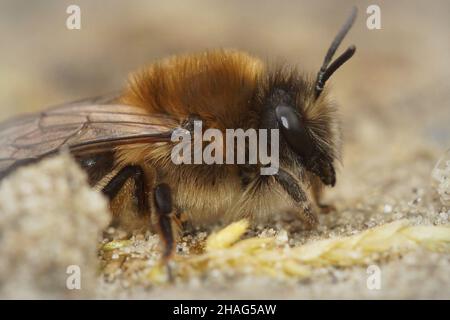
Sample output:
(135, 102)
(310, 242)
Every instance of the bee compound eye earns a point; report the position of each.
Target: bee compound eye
(293, 130)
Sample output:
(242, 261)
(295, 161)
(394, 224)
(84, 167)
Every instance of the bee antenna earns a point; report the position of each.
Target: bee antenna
(325, 72)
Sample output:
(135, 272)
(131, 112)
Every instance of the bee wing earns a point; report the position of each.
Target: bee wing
(86, 127)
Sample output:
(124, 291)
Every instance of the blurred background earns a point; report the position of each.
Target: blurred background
(43, 63)
(397, 85)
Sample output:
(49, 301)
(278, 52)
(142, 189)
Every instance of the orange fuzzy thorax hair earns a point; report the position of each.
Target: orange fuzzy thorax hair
(218, 86)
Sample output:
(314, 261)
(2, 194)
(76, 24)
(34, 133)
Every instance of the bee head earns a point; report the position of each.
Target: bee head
(309, 128)
(304, 115)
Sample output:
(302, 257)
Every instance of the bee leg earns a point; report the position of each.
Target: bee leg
(140, 186)
(317, 190)
(296, 193)
(166, 220)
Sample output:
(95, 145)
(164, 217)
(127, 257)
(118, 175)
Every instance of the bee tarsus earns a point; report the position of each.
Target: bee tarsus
(298, 195)
(165, 217)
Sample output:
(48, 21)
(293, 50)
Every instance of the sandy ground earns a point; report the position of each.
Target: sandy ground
(395, 105)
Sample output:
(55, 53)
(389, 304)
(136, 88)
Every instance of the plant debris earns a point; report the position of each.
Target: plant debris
(228, 255)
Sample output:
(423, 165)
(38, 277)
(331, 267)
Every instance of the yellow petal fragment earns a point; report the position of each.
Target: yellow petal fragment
(116, 244)
(227, 236)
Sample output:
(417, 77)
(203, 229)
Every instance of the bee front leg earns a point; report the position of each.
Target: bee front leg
(317, 191)
(296, 193)
(135, 172)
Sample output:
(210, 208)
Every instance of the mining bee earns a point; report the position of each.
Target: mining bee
(124, 141)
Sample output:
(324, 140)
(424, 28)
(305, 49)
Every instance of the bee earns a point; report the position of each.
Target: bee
(123, 141)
